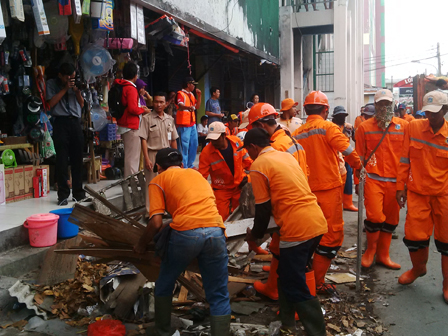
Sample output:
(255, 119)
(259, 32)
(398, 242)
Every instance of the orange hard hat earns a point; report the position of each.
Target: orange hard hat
(316, 98)
(261, 110)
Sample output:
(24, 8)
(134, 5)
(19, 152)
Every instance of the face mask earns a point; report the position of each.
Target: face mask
(384, 116)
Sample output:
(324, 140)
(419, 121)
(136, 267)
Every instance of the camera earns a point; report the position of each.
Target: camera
(79, 83)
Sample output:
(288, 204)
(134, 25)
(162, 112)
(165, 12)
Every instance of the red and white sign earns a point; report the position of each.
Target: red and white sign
(408, 82)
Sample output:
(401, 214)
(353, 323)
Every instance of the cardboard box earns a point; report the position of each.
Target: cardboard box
(43, 175)
(9, 184)
(2, 185)
(28, 174)
(19, 181)
(47, 167)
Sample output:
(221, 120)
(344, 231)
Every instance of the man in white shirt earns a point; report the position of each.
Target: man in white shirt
(288, 116)
(203, 131)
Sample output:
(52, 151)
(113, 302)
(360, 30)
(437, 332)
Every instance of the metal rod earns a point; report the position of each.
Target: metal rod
(360, 223)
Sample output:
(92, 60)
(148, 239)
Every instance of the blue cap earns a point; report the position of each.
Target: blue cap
(369, 110)
(339, 110)
(401, 106)
(420, 113)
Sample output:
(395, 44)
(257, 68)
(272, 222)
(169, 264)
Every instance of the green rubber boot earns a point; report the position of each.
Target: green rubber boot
(162, 306)
(220, 325)
(311, 316)
(287, 311)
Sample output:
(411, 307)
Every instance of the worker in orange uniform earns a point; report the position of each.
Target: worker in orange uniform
(401, 113)
(281, 189)
(196, 233)
(359, 119)
(423, 171)
(383, 214)
(322, 140)
(232, 125)
(262, 115)
(288, 117)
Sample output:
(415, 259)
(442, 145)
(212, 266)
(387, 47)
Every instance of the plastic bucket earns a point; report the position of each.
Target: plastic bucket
(65, 228)
(42, 229)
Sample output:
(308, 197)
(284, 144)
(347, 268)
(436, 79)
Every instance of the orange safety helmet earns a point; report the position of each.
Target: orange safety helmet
(316, 98)
(261, 110)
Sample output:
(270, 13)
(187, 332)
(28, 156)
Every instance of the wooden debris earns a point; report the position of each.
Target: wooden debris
(56, 267)
(242, 280)
(193, 288)
(125, 300)
(263, 257)
(341, 278)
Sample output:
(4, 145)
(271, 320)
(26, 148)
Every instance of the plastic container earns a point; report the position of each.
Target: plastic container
(65, 228)
(42, 229)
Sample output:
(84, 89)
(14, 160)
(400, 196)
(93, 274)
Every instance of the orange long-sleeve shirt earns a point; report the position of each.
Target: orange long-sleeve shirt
(408, 117)
(358, 121)
(284, 143)
(211, 162)
(322, 140)
(424, 160)
(384, 163)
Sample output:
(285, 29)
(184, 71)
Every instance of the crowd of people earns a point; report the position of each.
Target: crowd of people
(302, 175)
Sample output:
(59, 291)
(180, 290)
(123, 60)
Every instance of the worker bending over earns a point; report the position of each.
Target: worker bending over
(423, 171)
(262, 115)
(225, 164)
(380, 141)
(197, 232)
(281, 189)
(322, 140)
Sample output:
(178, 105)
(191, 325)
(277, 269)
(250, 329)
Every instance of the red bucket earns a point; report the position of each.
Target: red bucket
(42, 229)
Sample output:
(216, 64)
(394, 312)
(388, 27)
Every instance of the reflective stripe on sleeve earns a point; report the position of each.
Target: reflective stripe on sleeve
(405, 160)
(348, 151)
(216, 162)
(316, 131)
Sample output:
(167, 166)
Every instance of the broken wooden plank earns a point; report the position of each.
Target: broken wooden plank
(183, 290)
(56, 267)
(242, 280)
(197, 291)
(263, 257)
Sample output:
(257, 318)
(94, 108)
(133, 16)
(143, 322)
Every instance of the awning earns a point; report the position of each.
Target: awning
(197, 33)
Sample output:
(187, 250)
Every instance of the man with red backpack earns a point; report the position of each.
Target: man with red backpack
(129, 121)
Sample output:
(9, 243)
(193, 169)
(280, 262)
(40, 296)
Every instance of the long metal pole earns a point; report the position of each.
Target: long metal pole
(362, 180)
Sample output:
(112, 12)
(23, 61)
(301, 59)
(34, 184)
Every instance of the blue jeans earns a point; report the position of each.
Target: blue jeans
(188, 144)
(208, 245)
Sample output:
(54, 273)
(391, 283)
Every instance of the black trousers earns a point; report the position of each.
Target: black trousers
(292, 268)
(68, 142)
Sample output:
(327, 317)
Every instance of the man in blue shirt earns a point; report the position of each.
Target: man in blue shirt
(212, 108)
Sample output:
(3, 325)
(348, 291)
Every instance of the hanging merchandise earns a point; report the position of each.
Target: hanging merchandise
(47, 149)
(77, 11)
(141, 26)
(40, 17)
(177, 36)
(106, 20)
(119, 43)
(95, 61)
(58, 24)
(5, 16)
(2, 27)
(98, 117)
(65, 7)
(39, 72)
(36, 135)
(86, 7)
(76, 31)
(16, 9)
(96, 8)
(133, 20)
(34, 104)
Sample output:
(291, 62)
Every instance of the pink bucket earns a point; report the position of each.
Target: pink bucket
(43, 229)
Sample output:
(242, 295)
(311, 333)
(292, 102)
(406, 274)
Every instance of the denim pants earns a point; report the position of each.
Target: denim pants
(188, 144)
(208, 245)
(292, 268)
(348, 188)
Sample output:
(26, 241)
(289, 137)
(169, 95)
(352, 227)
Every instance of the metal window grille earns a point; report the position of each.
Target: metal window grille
(323, 65)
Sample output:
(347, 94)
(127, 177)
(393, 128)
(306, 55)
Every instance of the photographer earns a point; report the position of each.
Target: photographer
(66, 103)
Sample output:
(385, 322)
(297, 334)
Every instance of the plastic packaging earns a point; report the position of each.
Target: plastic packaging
(106, 327)
(58, 24)
(99, 118)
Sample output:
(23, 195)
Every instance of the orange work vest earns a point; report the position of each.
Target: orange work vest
(186, 118)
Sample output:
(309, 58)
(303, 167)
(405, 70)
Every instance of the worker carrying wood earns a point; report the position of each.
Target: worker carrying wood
(225, 164)
(379, 142)
(196, 232)
(263, 115)
(281, 190)
(322, 140)
(423, 172)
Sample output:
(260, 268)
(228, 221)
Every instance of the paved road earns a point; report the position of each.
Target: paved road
(417, 309)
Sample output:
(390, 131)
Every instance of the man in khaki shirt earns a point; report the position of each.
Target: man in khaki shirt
(157, 131)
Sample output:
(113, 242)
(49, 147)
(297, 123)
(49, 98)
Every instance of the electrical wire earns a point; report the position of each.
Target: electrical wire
(394, 65)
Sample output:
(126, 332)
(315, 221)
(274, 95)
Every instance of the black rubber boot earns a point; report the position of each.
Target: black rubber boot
(287, 311)
(220, 325)
(311, 316)
(162, 306)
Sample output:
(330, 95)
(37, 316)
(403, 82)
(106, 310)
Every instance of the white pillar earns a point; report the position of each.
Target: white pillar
(307, 64)
(298, 72)
(340, 53)
(286, 53)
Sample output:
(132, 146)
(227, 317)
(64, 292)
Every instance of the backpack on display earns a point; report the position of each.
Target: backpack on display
(116, 107)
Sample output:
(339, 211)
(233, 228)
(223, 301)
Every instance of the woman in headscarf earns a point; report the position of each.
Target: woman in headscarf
(145, 97)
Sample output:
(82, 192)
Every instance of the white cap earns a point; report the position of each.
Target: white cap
(433, 101)
(215, 129)
(383, 94)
